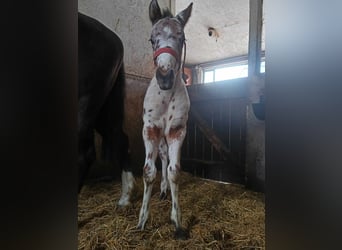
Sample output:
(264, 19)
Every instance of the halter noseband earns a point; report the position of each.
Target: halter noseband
(171, 52)
(165, 50)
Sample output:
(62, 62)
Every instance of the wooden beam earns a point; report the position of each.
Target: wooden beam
(210, 134)
(255, 33)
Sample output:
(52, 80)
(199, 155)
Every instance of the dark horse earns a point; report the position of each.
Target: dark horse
(101, 100)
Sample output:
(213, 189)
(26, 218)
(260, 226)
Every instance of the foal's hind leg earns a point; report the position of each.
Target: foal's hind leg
(163, 158)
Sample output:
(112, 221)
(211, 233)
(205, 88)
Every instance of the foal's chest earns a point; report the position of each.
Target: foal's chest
(165, 108)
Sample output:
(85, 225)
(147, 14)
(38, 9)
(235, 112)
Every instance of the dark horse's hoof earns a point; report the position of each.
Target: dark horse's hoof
(182, 234)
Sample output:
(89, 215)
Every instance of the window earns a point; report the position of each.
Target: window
(208, 76)
(221, 72)
(262, 66)
(226, 73)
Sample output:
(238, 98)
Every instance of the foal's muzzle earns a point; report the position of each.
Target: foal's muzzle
(165, 80)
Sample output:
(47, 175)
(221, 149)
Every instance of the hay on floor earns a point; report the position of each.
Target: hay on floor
(217, 215)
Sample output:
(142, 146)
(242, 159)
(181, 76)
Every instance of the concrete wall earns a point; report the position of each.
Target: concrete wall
(255, 137)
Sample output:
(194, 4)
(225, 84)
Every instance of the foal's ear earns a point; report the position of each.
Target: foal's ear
(184, 15)
(154, 11)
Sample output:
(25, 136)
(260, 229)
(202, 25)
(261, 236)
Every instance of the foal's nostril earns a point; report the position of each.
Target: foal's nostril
(164, 70)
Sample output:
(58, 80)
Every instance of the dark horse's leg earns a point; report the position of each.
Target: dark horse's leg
(86, 155)
(87, 109)
(115, 143)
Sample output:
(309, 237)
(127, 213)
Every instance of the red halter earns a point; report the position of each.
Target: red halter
(165, 50)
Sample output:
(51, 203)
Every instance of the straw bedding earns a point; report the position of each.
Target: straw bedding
(217, 216)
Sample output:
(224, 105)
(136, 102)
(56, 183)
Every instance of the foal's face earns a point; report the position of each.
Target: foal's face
(168, 38)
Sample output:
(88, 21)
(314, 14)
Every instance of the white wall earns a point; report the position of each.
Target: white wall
(130, 20)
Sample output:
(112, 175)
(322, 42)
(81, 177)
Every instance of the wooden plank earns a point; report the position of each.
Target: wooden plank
(190, 134)
(235, 127)
(226, 164)
(209, 133)
(208, 149)
(255, 33)
(194, 160)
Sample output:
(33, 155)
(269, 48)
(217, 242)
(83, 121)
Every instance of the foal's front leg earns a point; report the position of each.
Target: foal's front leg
(164, 158)
(151, 141)
(175, 141)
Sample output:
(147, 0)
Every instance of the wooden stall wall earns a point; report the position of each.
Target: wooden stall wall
(214, 147)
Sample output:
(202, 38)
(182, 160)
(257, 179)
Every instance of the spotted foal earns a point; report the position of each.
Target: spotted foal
(165, 113)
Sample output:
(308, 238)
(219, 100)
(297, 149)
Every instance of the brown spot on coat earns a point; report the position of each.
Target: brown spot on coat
(146, 170)
(173, 107)
(150, 110)
(149, 156)
(153, 133)
(145, 167)
(170, 117)
(176, 132)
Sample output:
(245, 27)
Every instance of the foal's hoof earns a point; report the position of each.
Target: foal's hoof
(162, 196)
(123, 203)
(140, 227)
(182, 234)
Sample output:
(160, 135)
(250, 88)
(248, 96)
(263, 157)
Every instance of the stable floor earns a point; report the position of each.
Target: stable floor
(217, 215)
